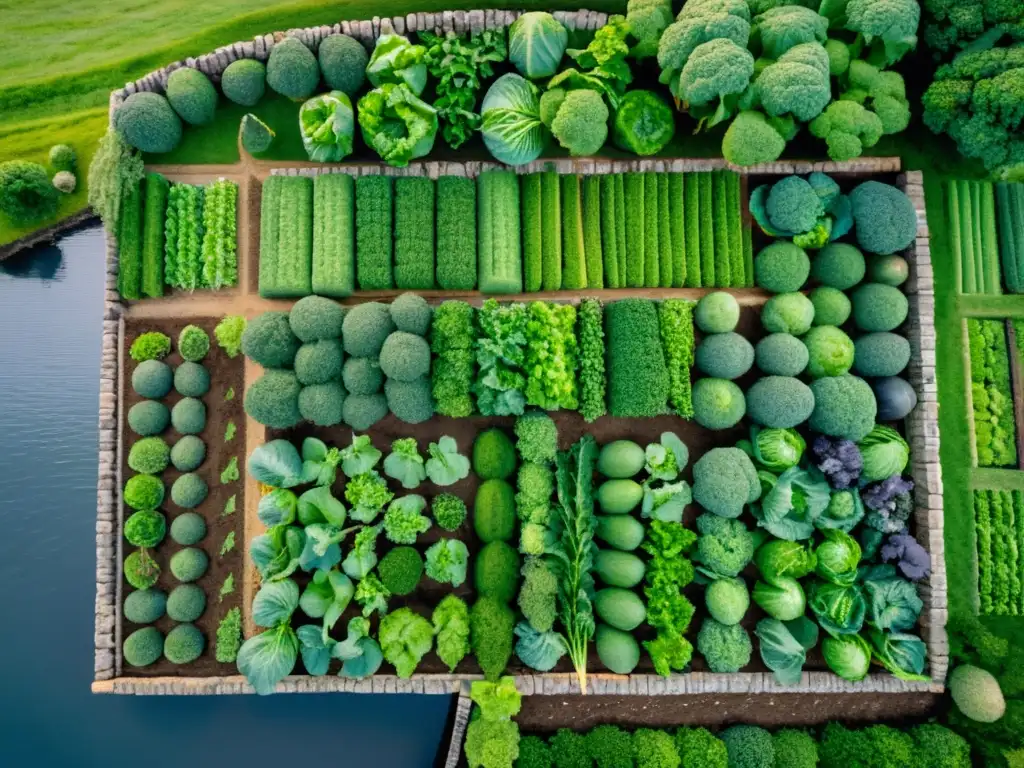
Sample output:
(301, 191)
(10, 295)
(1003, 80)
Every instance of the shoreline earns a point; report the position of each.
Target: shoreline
(47, 234)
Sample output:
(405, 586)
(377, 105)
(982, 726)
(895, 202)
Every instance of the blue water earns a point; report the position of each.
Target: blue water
(51, 303)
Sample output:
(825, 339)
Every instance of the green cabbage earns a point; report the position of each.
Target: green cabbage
(885, 454)
(849, 656)
(395, 60)
(510, 120)
(838, 557)
(789, 509)
(327, 124)
(397, 124)
(783, 600)
(536, 44)
(840, 610)
(894, 604)
(900, 653)
(784, 646)
(844, 511)
(777, 449)
(779, 559)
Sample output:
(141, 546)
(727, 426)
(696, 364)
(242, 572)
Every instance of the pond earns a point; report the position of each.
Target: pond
(51, 302)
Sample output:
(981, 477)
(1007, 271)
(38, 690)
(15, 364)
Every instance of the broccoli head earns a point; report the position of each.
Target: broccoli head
(724, 547)
(726, 649)
(724, 479)
(797, 84)
(844, 406)
(793, 206)
(716, 69)
(889, 27)
(581, 125)
(848, 129)
(783, 27)
(884, 217)
(838, 57)
(751, 140)
(694, 29)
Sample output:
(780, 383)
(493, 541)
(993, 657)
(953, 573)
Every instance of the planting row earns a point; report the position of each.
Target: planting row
(995, 431)
(985, 231)
(177, 236)
(999, 524)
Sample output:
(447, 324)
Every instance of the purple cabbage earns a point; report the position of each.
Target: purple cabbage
(839, 460)
(912, 559)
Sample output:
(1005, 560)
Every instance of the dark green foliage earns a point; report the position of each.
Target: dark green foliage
(705, 197)
(494, 457)
(637, 376)
(268, 340)
(844, 406)
(373, 232)
(157, 189)
(449, 511)
(319, 362)
(186, 603)
(144, 606)
(636, 221)
(143, 492)
(652, 259)
(496, 571)
(400, 570)
(724, 355)
(188, 529)
(878, 307)
(1010, 210)
(533, 753)
(491, 623)
(192, 96)
(691, 231)
(189, 491)
(884, 218)
(292, 69)
(550, 231)
(322, 404)
(148, 123)
(414, 233)
(343, 62)
(410, 401)
(145, 528)
(612, 226)
(365, 329)
(362, 375)
(412, 314)
(184, 644)
(677, 226)
(991, 393)
(749, 747)
(62, 158)
(880, 354)
(454, 360)
(141, 570)
(532, 218)
(314, 318)
(244, 81)
(781, 354)
(188, 416)
(361, 412)
(574, 268)
(675, 316)
(143, 647)
(781, 267)
(189, 564)
(494, 511)
(191, 379)
(592, 232)
(569, 750)
(839, 265)
(150, 456)
(878, 746)
(593, 381)
(938, 747)
(795, 749)
(405, 356)
(286, 237)
(699, 748)
(610, 747)
(129, 245)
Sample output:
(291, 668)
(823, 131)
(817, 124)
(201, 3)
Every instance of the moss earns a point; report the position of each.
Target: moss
(401, 570)
(184, 644)
(493, 455)
(144, 606)
(244, 81)
(145, 528)
(191, 380)
(405, 356)
(152, 379)
(361, 412)
(188, 416)
(148, 418)
(188, 453)
(143, 647)
(144, 492)
(188, 529)
(315, 318)
(318, 362)
(149, 456)
(189, 564)
(268, 340)
(494, 511)
(322, 404)
(189, 491)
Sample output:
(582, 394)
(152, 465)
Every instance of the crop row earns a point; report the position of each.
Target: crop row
(505, 233)
(971, 219)
(992, 399)
(999, 524)
(1010, 210)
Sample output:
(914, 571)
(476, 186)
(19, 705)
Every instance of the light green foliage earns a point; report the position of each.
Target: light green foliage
(228, 545)
(830, 352)
(319, 362)
(751, 140)
(782, 267)
(610, 747)
(451, 628)
(343, 62)
(838, 57)
(831, 306)
(397, 124)
(273, 399)
(727, 600)
(400, 570)
(714, 71)
(227, 588)
(150, 456)
(724, 355)
(676, 317)
(151, 345)
(152, 379)
(192, 96)
(748, 747)
(269, 341)
(717, 403)
(286, 237)
(724, 546)
(229, 636)
(140, 569)
(147, 122)
(449, 511)
(783, 27)
(143, 492)
(323, 404)
(788, 313)
(494, 457)
(537, 594)
(725, 648)
(795, 749)
(536, 437)
(230, 472)
(581, 124)
(184, 644)
(62, 158)
(143, 647)
(878, 307)
(145, 528)
(536, 44)
(491, 624)
(497, 571)
(186, 603)
(654, 749)
(144, 606)
(880, 354)
(244, 81)
(454, 360)
(189, 564)
(717, 312)
(797, 83)
(699, 748)
(229, 506)
(848, 129)
(844, 406)
(189, 491)
(292, 69)
(592, 355)
(781, 354)
(191, 379)
(188, 529)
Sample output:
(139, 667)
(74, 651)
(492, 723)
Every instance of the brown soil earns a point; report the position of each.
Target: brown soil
(544, 714)
(225, 374)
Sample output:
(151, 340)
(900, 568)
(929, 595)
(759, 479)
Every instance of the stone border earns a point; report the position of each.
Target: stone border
(463, 707)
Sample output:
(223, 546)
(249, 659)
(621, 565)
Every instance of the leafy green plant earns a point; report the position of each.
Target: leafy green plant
(327, 123)
(326, 597)
(446, 466)
(405, 464)
(229, 636)
(405, 638)
(230, 473)
(404, 520)
(397, 124)
(227, 588)
(368, 494)
(447, 560)
(784, 646)
(510, 120)
(230, 431)
(265, 659)
(229, 543)
(451, 629)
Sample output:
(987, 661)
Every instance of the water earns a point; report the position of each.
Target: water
(51, 302)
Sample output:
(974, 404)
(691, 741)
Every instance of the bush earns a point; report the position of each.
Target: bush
(343, 61)
(268, 340)
(884, 218)
(494, 511)
(610, 747)
(145, 528)
(491, 625)
(362, 375)
(62, 158)
(449, 511)
(494, 458)
(186, 603)
(839, 265)
(318, 362)
(188, 416)
(189, 491)
(844, 406)
(654, 749)
(148, 418)
(193, 343)
(273, 399)
(150, 456)
(141, 570)
(749, 747)
(637, 376)
(400, 570)
(147, 122)
(143, 647)
(244, 82)
(726, 649)
(976, 694)
(536, 437)
(410, 401)
(184, 644)
(366, 328)
(939, 747)
(880, 354)
(497, 571)
(788, 313)
(64, 182)
(830, 351)
(292, 70)
(151, 345)
(322, 404)
(718, 403)
(878, 746)
(361, 412)
(533, 753)
(717, 312)
(188, 529)
(144, 606)
(724, 355)
(781, 267)
(412, 314)
(781, 354)
(724, 479)
(878, 307)
(831, 306)
(189, 564)
(699, 748)
(569, 749)
(192, 96)
(315, 318)
(144, 492)
(779, 401)
(191, 380)
(405, 356)
(152, 379)
(795, 749)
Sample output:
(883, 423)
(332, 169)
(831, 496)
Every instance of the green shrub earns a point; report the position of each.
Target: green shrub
(315, 318)
(184, 644)
(654, 749)
(491, 625)
(839, 265)
(365, 329)
(193, 343)
(191, 379)
(724, 355)
(192, 96)
(141, 570)
(493, 455)
(779, 401)
(569, 749)
(144, 492)
(322, 404)
(186, 603)
(292, 70)
(494, 511)
(361, 412)
(65, 182)
(536, 437)
(319, 362)
(143, 647)
(152, 379)
(699, 748)
(794, 749)
(148, 418)
(189, 491)
(781, 354)
(149, 456)
(405, 356)
(412, 314)
(724, 479)
(726, 649)
(145, 528)
(188, 529)
(637, 376)
(26, 194)
(273, 399)
(749, 747)
(534, 753)
(830, 351)
(976, 694)
(610, 747)
(781, 267)
(189, 564)
(400, 570)
(188, 416)
(343, 62)
(879, 307)
(62, 158)
(880, 354)
(788, 313)
(188, 453)
(362, 375)
(877, 746)
(497, 571)
(831, 306)
(718, 403)
(449, 511)
(151, 345)
(147, 122)
(244, 81)
(717, 312)
(268, 340)
(939, 747)
(410, 401)
(144, 606)
(844, 406)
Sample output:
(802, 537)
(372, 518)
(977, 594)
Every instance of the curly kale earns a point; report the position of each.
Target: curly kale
(911, 558)
(889, 502)
(839, 460)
